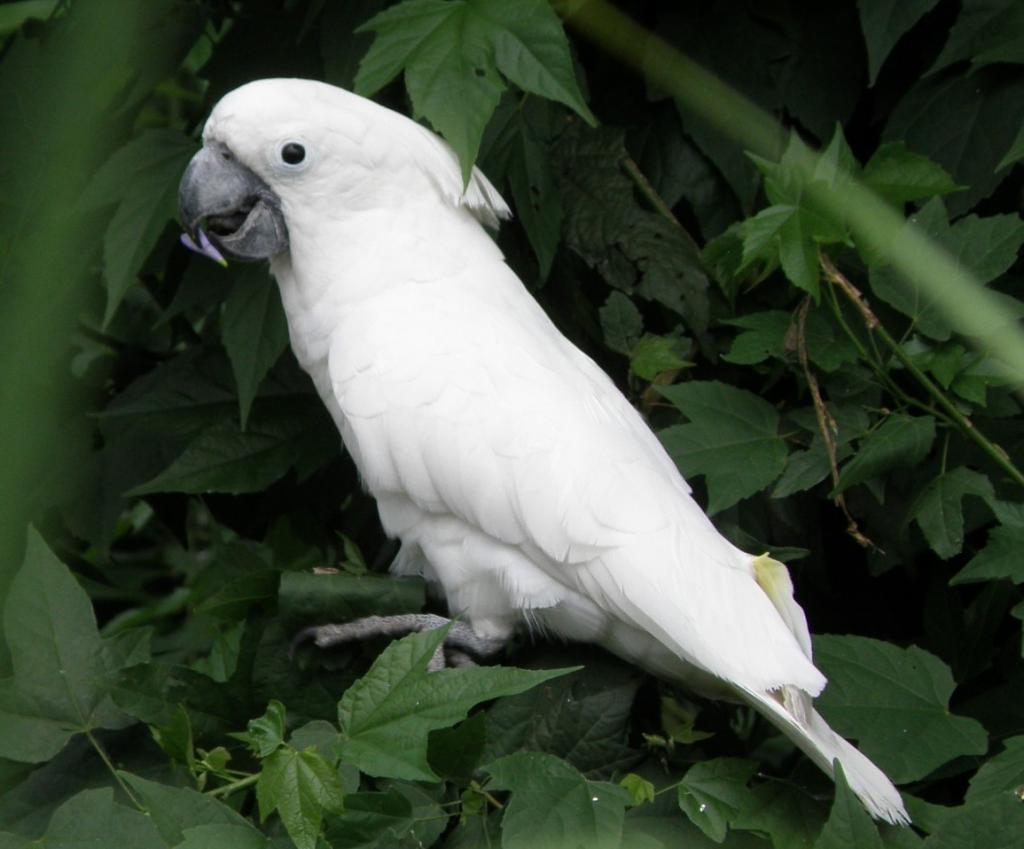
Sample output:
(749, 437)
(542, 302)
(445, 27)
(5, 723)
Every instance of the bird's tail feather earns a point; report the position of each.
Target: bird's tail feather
(822, 745)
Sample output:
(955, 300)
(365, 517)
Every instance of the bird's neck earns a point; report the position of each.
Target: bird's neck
(338, 264)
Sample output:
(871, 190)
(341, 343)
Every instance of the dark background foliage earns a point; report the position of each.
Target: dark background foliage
(194, 509)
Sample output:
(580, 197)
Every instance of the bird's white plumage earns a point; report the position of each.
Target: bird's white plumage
(514, 472)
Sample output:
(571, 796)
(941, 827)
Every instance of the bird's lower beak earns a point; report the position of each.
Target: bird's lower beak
(227, 210)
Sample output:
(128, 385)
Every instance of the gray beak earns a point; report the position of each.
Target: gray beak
(242, 215)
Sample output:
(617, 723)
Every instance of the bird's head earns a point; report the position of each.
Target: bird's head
(284, 155)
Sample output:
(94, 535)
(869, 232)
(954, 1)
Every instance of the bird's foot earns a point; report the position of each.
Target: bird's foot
(462, 647)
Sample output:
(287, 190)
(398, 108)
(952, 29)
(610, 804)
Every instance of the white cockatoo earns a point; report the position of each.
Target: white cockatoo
(517, 476)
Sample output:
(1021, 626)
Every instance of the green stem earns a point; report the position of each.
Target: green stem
(113, 771)
(654, 199)
(873, 361)
(241, 784)
(648, 191)
(668, 787)
(997, 454)
(951, 411)
(492, 800)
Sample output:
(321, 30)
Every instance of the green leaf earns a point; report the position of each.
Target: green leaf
(92, 818)
(184, 394)
(837, 164)
(386, 715)
(801, 222)
(1015, 153)
(142, 179)
(849, 826)
(582, 718)
(429, 820)
(713, 792)
(640, 789)
(300, 786)
(634, 249)
(900, 175)
(375, 821)
(986, 31)
(266, 733)
(995, 823)
(732, 440)
(764, 336)
(761, 235)
(723, 257)
(828, 347)
(532, 51)
(789, 232)
(176, 810)
(965, 124)
(175, 737)
(319, 735)
(400, 31)
(798, 254)
(677, 169)
(804, 469)
(785, 52)
(985, 247)
(790, 816)
(1002, 773)
(909, 299)
(225, 458)
(938, 510)
(254, 331)
(621, 322)
(883, 23)
(452, 53)
(655, 355)
(454, 753)
(679, 721)
(453, 83)
(222, 661)
(61, 682)
(553, 806)
(222, 837)
(944, 362)
(661, 825)
(894, 702)
(900, 441)
(999, 560)
(535, 192)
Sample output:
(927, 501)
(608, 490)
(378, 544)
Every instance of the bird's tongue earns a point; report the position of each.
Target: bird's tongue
(205, 247)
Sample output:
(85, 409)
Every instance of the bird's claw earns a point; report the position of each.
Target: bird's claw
(461, 647)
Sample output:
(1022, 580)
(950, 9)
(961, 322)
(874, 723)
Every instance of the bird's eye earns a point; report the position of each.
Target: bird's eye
(292, 153)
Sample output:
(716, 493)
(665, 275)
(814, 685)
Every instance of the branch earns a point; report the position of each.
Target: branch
(826, 424)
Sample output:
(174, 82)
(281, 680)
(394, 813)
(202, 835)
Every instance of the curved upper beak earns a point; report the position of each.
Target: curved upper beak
(242, 215)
